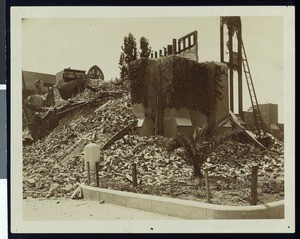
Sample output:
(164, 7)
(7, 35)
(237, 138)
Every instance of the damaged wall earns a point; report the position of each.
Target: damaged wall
(59, 76)
(191, 53)
(173, 93)
(28, 79)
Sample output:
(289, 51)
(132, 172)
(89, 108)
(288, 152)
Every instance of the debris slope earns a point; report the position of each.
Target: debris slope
(53, 167)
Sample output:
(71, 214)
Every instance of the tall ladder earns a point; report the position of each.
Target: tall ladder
(254, 102)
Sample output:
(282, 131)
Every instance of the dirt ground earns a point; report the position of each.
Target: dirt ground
(67, 209)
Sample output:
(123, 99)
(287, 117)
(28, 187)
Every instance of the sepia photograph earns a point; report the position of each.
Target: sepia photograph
(143, 119)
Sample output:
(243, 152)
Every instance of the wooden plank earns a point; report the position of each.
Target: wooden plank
(103, 106)
(118, 135)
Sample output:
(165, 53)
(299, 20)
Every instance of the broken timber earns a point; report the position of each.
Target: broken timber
(46, 119)
(103, 106)
(118, 135)
(233, 119)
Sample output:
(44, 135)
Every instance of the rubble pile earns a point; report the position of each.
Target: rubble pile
(53, 166)
(164, 167)
(231, 166)
(88, 94)
(242, 156)
(116, 115)
(157, 163)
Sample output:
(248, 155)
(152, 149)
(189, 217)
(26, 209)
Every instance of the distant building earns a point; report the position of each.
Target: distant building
(269, 115)
(28, 79)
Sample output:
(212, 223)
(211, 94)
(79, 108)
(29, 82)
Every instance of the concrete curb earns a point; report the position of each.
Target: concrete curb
(183, 208)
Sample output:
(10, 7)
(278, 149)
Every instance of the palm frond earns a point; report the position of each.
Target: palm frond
(204, 141)
(220, 137)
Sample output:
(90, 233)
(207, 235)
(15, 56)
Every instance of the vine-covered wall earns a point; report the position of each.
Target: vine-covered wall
(177, 82)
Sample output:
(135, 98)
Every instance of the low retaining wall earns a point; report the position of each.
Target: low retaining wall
(184, 208)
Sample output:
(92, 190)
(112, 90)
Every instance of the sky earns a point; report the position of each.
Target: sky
(50, 45)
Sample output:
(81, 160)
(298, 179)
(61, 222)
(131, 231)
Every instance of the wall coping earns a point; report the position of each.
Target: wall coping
(275, 209)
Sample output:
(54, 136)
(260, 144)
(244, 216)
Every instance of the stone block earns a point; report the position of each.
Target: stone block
(121, 200)
(106, 197)
(54, 188)
(139, 203)
(170, 127)
(89, 194)
(147, 127)
(215, 214)
(186, 211)
(161, 207)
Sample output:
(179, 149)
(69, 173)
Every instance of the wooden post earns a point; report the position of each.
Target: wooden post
(97, 173)
(174, 50)
(253, 199)
(240, 69)
(196, 45)
(207, 186)
(221, 40)
(179, 46)
(134, 175)
(230, 35)
(170, 49)
(89, 172)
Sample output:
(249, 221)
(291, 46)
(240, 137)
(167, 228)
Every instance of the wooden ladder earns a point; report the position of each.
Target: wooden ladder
(255, 107)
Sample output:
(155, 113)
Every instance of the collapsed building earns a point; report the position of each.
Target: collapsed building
(45, 96)
(170, 93)
(174, 92)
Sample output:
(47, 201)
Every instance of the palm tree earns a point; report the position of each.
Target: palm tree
(204, 141)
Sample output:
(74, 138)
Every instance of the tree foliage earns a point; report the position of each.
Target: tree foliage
(144, 46)
(123, 66)
(128, 54)
(129, 49)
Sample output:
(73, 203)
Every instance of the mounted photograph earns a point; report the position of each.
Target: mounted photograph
(152, 119)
